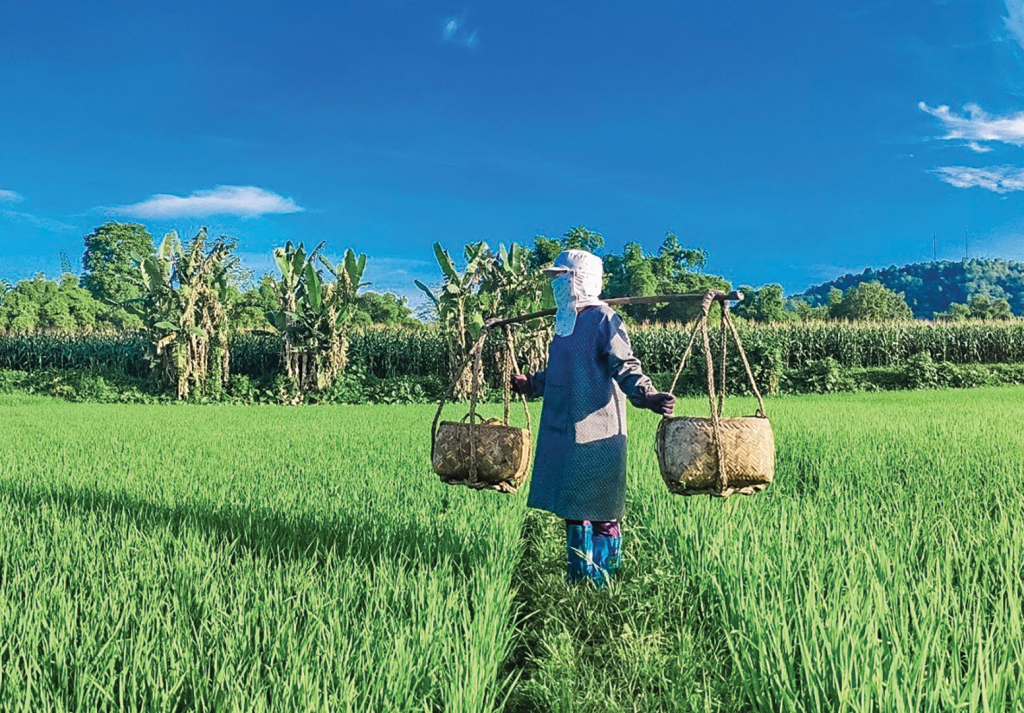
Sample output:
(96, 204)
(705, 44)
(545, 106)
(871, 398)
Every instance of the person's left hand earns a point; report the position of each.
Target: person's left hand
(662, 403)
(521, 385)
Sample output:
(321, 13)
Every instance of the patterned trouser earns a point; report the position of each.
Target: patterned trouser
(601, 529)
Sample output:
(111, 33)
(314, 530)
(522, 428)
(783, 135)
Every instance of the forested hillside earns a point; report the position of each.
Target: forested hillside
(932, 287)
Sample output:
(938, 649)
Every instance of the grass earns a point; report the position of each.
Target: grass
(266, 558)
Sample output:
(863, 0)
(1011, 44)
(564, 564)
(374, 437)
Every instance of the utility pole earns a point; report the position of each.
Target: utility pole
(935, 249)
(966, 253)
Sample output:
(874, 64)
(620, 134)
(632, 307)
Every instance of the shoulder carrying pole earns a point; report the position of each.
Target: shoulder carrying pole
(705, 298)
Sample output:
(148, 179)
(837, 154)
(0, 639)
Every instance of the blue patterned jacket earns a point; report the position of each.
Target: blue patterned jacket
(579, 470)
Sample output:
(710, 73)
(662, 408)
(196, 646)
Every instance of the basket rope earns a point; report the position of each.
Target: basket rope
(716, 397)
(474, 360)
(746, 366)
(513, 368)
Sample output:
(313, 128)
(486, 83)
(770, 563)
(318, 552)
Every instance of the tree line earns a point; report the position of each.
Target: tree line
(190, 297)
(98, 297)
(986, 288)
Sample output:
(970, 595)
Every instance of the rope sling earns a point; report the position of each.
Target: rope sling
(743, 449)
(483, 455)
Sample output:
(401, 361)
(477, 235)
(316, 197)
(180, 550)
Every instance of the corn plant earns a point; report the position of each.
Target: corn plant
(315, 314)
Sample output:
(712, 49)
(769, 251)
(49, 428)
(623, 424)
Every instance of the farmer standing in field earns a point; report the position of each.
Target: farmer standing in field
(579, 472)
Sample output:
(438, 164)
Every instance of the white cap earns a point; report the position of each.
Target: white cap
(580, 262)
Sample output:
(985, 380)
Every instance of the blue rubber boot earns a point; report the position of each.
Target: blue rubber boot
(579, 552)
(607, 558)
(607, 542)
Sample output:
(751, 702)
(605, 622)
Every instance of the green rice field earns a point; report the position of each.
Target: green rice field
(178, 558)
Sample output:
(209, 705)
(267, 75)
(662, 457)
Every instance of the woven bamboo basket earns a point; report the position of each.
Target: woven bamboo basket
(716, 456)
(502, 455)
(688, 460)
(483, 455)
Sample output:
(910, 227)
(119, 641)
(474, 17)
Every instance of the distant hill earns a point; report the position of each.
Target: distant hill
(931, 287)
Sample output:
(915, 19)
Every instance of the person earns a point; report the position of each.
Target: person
(579, 471)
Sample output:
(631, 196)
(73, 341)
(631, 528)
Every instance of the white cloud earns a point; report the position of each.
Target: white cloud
(10, 196)
(54, 226)
(977, 125)
(244, 201)
(1015, 19)
(454, 31)
(998, 179)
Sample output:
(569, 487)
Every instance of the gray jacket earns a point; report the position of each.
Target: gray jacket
(579, 471)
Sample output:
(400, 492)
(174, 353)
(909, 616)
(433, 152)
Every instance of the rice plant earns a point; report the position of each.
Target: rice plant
(882, 571)
(264, 558)
(244, 559)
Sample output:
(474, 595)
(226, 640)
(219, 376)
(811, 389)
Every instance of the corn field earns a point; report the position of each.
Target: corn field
(387, 352)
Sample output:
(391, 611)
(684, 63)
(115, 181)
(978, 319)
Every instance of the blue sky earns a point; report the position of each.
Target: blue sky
(794, 141)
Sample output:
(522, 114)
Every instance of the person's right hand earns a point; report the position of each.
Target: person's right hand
(521, 385)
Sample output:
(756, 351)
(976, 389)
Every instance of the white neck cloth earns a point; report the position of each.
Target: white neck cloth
(578, 288)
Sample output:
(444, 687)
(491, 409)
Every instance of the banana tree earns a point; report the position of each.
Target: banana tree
(519, 289)
(501, 285)
(460, 304)
(316, 313)
(183, 309)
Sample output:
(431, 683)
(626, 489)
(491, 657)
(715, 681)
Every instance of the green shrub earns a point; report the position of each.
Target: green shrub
(82, 385)
(963, 376)
(921, 372)
(822, 376)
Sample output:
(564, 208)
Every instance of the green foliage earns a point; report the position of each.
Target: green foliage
(764, 305)
(388, 352)
(461, 303)
(981, 307)
(183, 308)
(111, 253)
(673, 270)
(93, 386)
(314, 314)
(41, 304)
(545, 249)
(967, 376)
(932, 287)
(823, 376)
(383, 308)
(956, 313)
(921, 371)
(490, 286)
(248, 309)
(869, 302)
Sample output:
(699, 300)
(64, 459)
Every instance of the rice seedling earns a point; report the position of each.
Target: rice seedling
(880, 572)
(251, 559)
(265, 558)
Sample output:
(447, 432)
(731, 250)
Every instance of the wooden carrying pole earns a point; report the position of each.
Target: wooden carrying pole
(706, 298)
